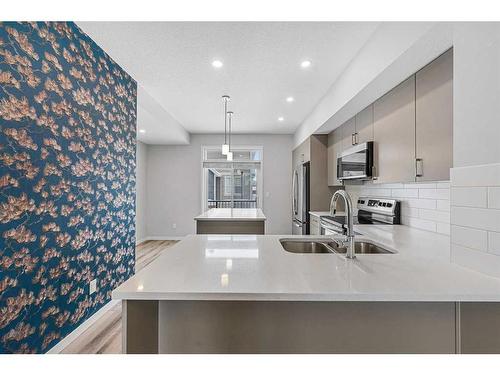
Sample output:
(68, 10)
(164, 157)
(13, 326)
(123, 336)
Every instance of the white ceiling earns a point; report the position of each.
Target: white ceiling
(172, 62)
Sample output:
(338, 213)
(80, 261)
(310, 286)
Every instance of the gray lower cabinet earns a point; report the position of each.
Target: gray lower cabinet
(394, 134)
(233, 226)
(434, 119)
(364, 125)
(479, 327)
(334, 147)
(175, 326)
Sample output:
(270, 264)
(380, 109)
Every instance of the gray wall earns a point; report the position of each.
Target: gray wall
(141, 193)
(475, 178)
(174, 181)
(476, 91)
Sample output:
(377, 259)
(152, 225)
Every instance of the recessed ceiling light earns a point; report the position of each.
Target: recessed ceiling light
(290, 99)
(142, 131)
(217, 64)
(305, 64)
(280, 119)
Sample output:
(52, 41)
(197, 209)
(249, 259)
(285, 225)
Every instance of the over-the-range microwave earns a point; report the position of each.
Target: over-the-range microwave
(356, 162)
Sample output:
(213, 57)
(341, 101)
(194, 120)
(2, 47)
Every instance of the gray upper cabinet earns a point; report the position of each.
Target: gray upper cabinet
(364, 125)
(394, 134)
(411, 126)
(348, 134)
(334, 147)
(434, 119)
(358, 129)
(302, 154)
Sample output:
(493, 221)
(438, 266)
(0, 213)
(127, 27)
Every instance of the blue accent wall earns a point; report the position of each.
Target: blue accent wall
(67, 181)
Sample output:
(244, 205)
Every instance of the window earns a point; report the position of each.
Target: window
(236, 184)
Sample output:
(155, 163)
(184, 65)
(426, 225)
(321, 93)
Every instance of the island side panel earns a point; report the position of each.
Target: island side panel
(480, 327)
(139, 327)
(230, 227)
(306, 327)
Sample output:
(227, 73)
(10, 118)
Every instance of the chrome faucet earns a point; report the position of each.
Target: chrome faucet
(349, 239)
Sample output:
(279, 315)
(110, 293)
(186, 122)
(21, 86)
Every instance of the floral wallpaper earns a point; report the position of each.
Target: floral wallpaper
(67, 181)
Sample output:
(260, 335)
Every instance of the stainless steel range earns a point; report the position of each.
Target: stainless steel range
(370, 211)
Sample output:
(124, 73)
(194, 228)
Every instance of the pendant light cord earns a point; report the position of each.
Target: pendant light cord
(229, 132)
(225, 119)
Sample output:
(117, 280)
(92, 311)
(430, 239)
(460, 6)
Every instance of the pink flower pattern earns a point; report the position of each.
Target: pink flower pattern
(67, 181)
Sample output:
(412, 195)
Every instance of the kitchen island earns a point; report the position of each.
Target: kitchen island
(231, 221)
(246, 294)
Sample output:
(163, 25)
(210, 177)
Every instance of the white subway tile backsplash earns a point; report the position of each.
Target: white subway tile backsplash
(416, 185)
(443, 228)
(494, 243)
(409, 211)
(370, 184)
(479, 175)
(405, 193)
(469, 196)
(443, 185)
(434, 193)
(479, 218)
(494, 197)
(434, 215)
(376, 192)
(475, 217)
(477, 260)
(419, 223)
(473, 238)
(442, 205)
(423, 205)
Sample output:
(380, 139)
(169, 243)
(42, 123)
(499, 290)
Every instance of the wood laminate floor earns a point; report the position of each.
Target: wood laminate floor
(105, 335)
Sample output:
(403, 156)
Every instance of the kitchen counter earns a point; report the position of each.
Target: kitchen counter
(258, 268)
(246, 294)
(237, 214)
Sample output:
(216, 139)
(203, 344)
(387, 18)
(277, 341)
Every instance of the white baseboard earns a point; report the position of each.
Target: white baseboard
(139, 241)
(61, 345)
(163, 238)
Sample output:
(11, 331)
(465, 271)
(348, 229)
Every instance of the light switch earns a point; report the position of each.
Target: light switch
(93, 286)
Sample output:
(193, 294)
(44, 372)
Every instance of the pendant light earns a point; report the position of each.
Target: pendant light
(225, 146)
(230, 119)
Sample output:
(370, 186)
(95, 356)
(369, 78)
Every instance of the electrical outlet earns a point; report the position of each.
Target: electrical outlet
(174, 225)
(93, 286)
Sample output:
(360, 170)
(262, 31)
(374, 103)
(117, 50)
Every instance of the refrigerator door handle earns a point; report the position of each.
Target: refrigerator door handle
(295, 192)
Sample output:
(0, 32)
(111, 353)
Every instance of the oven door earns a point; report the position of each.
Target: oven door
(356, 162)
(330, 230)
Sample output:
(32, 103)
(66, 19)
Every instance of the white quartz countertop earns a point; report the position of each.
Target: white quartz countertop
(237, 214)
(252, 267)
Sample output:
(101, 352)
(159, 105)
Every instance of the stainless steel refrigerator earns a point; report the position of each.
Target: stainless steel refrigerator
(300, 199)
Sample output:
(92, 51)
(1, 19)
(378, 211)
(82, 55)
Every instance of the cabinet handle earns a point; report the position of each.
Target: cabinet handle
(353, 138)
(419, 167)
(374, 172)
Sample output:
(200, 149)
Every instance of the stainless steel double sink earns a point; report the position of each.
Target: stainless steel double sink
(328, 246)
